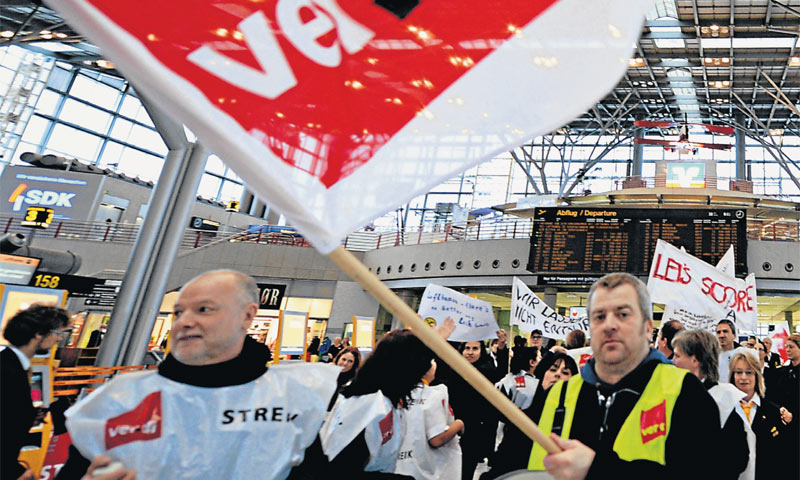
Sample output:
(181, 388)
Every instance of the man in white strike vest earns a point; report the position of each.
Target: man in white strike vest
(213, 409)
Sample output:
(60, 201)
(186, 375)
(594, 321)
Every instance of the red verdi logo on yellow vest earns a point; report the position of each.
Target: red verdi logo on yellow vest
(654, 422)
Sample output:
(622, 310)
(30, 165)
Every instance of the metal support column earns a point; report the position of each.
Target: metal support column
(638, 153)
(138, 268)
(741, 161)
(247, 201)
(550, 297)
(151, 238)
(176, 222)
(273, 217)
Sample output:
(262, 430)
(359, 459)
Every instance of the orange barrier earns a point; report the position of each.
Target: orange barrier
(71, 380)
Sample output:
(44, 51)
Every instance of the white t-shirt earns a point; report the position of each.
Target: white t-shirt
(383, 426)
(169, 430)
(519, 388)
(428, 415)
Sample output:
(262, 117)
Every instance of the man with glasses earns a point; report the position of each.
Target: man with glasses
(36, 328)
(536, 339)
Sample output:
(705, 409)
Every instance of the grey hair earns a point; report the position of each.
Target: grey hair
(248, 289)
(614, 280)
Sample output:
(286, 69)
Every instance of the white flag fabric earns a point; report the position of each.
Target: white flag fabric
(529, 312)
(688, 283)
(474, 318)
(691, 319)
(336, 112)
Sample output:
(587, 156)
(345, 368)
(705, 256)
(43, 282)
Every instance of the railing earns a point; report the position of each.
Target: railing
(362, 241)
(68, 381)
(105, 232)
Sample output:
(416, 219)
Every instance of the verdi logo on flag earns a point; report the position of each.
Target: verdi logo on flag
(704, 292)
(529, 312)
(336, 112)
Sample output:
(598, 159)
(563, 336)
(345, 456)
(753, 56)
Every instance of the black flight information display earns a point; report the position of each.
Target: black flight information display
(597, 240)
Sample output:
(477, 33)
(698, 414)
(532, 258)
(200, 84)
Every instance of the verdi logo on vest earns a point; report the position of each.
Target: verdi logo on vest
(387, 427)
(140, 424)
(654, 422)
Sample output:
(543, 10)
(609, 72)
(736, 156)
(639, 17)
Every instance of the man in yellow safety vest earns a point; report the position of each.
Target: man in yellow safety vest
(630, 413)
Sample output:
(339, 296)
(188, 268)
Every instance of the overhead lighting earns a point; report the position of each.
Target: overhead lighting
(636, 62)
(6, 34)
(105, 64)
(716, 62)
(720, 84)
(794, 62)
(715, 31)
(775, 132)
(720, 100)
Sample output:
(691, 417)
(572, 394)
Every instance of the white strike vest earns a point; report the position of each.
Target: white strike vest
(169, 430)
(428, 415)
(382, 424)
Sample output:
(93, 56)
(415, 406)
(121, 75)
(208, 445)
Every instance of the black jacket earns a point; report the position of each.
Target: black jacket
(479, 416)
(16, 413)
(694, 423)
(771, 457)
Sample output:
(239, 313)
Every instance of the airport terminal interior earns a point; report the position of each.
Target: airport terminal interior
(698, 144)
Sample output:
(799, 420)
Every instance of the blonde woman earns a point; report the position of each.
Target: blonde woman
(760, 416)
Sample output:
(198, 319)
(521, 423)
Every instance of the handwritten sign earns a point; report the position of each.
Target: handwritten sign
(694, 320)
(474, 318)
(684, 281)
(529, 312)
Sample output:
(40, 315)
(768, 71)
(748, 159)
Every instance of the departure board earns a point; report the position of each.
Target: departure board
(597, 240)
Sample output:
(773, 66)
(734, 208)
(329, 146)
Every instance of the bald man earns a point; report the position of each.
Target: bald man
(213, 409)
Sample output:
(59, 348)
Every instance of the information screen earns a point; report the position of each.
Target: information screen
(597, 240)
(17, 270)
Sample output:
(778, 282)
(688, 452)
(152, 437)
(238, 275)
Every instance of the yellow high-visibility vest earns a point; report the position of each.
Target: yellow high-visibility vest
(643, 435)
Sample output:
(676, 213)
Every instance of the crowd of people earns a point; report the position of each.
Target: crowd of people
(685, 404)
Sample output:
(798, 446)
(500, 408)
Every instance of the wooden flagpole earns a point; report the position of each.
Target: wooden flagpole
(370, 282)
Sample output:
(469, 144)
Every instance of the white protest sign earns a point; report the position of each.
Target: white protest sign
(529, 312)
(693, 320)
(684, 281)
(474, 318)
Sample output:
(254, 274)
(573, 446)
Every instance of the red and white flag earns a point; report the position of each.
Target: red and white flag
(336, 112)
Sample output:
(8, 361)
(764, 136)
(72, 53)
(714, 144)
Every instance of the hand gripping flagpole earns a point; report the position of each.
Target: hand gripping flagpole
(359, 272)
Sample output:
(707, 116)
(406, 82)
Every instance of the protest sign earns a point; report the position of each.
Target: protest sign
(688, 283)
(779, 341)
(529, 312)
(474, 318)
(336, 112)
(581, 355)
(694, 320)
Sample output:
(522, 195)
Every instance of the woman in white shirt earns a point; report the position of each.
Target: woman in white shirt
(430, 449)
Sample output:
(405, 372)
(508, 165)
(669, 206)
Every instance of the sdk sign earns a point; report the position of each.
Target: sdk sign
(48, 198)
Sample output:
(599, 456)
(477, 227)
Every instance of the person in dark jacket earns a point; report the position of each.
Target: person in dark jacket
(514, 450)
(761, 415)
(629, 414)
(36, 328)
(698, 352)
(479, 416)
(784, 391)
